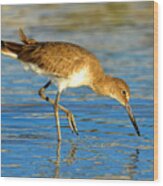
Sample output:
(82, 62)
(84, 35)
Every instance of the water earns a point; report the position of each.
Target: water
(121, 36)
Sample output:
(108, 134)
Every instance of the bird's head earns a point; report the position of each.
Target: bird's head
(119, 90)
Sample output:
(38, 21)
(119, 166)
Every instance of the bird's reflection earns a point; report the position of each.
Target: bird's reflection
(57, 162)
(132, 166)
(69, 159)
(71, 155)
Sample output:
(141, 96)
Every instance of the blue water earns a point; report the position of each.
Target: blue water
(107, 146)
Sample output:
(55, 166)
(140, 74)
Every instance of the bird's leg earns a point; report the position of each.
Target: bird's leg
(43, 96)
(56, 113)
(55, 103)
(70, 118)
(69, 114)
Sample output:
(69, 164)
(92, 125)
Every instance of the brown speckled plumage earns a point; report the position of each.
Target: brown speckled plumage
(59, 58)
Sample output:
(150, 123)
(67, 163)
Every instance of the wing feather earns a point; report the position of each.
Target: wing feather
(57, 58)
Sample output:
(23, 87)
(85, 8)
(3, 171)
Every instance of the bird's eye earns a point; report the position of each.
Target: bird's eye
(123, 92)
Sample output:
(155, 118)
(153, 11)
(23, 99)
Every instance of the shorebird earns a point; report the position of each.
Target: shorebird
(67, 65)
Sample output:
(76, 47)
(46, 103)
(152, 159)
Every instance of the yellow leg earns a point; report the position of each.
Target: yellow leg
(56, 113)
(70, 118)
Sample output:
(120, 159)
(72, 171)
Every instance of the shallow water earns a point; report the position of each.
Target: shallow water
(121, 36)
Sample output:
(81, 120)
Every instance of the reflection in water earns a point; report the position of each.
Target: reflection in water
(132, 166)
(70, 158)
(57, 162)
(71, 155)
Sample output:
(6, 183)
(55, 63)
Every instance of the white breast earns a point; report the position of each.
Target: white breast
(77, 79)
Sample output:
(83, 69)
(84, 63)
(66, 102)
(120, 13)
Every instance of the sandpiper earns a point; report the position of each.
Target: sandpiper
(67, 65)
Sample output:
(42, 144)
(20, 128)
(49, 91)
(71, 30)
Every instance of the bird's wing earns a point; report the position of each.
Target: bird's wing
(57, 59)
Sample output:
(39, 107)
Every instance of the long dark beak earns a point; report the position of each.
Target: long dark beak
(132, 118)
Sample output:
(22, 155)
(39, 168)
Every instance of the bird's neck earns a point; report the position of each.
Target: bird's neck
(102, 85)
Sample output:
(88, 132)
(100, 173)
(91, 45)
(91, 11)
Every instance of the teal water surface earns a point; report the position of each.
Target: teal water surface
(121, 36)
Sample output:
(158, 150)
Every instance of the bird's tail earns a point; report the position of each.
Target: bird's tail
(11, 49)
